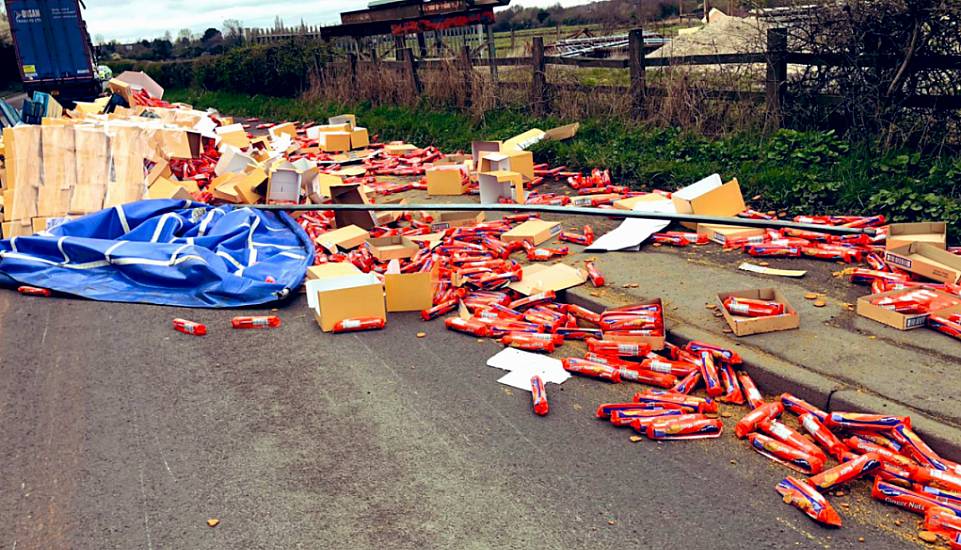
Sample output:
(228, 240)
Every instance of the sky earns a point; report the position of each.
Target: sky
(129, 20)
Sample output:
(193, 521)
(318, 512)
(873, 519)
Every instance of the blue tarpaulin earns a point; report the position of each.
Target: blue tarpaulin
(165, 251)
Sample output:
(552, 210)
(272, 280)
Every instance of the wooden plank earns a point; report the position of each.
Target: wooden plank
(709, 59)
(587, 62)
(59, 170)
(93, 169)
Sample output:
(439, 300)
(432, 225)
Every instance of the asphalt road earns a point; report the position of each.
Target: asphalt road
(118, 432)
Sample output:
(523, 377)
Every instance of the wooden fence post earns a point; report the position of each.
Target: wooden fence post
(399, 45)
(352, 64)
(776, 75)
(491, 52)
(410, 67)
(468, 70)
(539, 77)
(637, 67)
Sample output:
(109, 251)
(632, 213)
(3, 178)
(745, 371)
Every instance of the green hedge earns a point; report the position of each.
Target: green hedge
(280, 69)
(793, 171)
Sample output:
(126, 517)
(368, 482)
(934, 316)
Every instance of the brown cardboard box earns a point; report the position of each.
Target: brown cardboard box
(348, 119)
(18, 228)
(248, 185)
(409, 291)
(927, 260)
(445, 180)
(900, 234)
(446, 220)
(481, 148)
(359, 138)
(501, 184)
(537, 278)
(334, 142)
(351, 193)
(534, 231)
(900, 321)
(234, 135)
(709, 197)
(745, 326)
(335, 269)
(721, 234)
(399, 149)
(656, 342)
(524, 140)
(164, 188)
(386, 217)
(392, 248)
(46, 223)
(344, 238)
(286, 180)
(334, 296)
(286, 128)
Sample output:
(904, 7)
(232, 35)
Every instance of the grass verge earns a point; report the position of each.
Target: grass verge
(791, 171)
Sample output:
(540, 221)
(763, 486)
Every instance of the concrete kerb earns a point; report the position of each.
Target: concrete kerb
(774, 376)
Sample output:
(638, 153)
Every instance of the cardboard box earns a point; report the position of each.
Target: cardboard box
(46, 223)
(721, 234)
(522, 141)
(709, 197)
(655, 341)
(233, 135)
(164, 188)
(537, 278)
(350, 193)
(399, 149)
(901, 321)
(934, 233)
(344, 238)
(334, 142)
(445, 180)
(336, 269)
(334, 296)
(927, 260)
(248, 185)
(630, 202)
(348, 119)
(745, 326)
(386, 217)
(446, 220)
(480, 148)
(392, 248)
(18, 228)
(409, 291)
(287, 128)
(506, 184)
(359, 138)
(233, 160)
(534, 231)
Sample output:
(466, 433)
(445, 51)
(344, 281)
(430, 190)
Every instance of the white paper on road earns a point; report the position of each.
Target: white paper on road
(634, 231)
(522, 365)
(746, 266)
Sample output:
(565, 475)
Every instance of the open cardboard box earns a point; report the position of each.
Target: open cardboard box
(344, 238)
(233, 135)
(335, 294)
(501, 184)
(351, 193)
(349, 119)
(446, 219)
(656, 341)
(901, 321)
(535, 231)
(934, 233)
(521, 162)
(927, 260)
(630, 202)
(709, 197)
(409, 291)
(445, 180)
(745, 326)
(392, 248)
(164, 188)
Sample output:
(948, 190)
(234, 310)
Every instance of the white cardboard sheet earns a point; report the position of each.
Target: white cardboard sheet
(634, 231)
(522, 365)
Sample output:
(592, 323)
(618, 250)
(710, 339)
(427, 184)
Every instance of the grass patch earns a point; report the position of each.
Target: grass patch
(793, 171)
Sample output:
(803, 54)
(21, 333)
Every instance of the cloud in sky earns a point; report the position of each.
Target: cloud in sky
(129, 20)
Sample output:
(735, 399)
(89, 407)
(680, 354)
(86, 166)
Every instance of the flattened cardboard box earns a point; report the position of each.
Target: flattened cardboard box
(344, 238)
(721, 234)
(900, 321)
(927, 260)
(745, 326)
(535, 231)
(164, 188)
(900, 234)
(630, 202)
(537, 278)
(334, 296)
